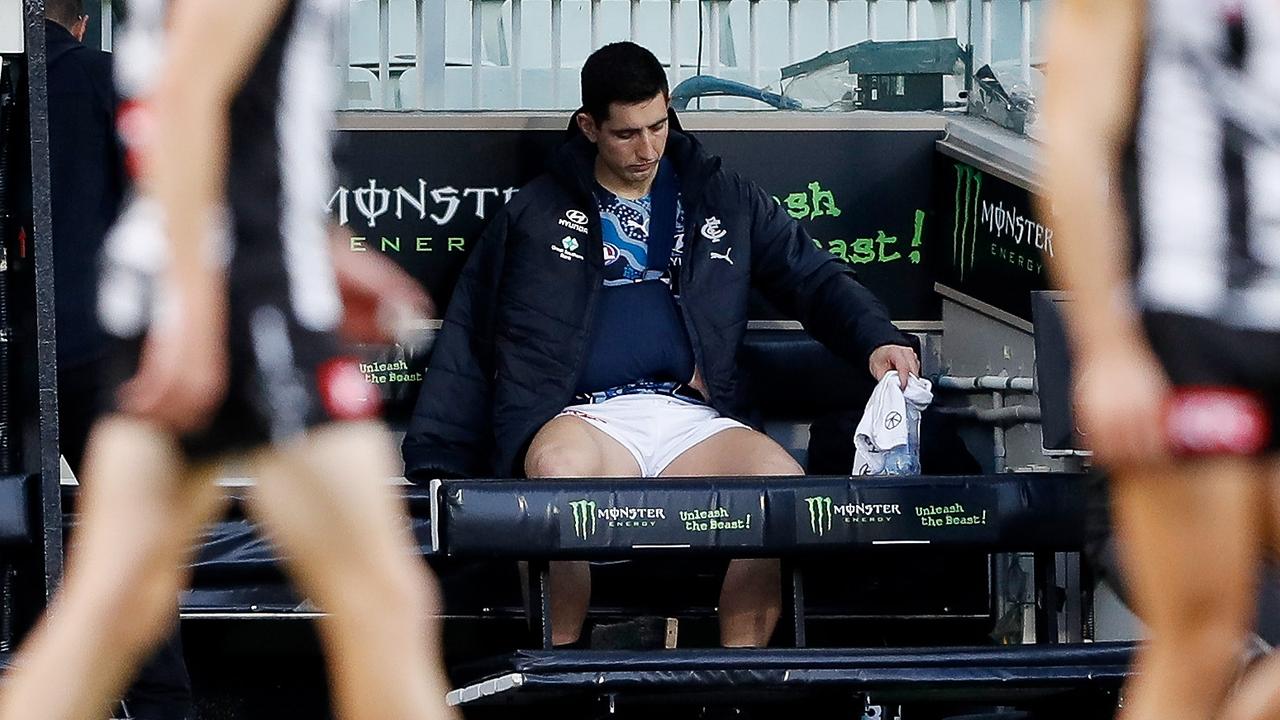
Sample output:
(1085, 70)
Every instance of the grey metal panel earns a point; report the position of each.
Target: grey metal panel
(989, 311)
(995, 150)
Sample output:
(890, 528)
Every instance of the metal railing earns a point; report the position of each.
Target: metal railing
(524, 54)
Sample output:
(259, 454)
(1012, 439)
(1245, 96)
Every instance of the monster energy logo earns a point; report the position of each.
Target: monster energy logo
(819, 514)
(964, 234)
(823, 511)
(584, 518)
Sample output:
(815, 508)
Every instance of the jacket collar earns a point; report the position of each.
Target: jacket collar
(58, 41)
(573, 162)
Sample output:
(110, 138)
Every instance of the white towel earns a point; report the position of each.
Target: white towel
(891, 420)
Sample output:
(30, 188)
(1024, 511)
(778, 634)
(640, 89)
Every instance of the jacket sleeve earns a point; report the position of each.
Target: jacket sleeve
(814, 287)
(449, 433)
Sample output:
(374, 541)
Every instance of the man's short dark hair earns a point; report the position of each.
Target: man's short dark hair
(621, 72)
(64, 12)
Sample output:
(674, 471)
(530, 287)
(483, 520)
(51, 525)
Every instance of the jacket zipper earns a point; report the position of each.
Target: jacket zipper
(686, 273)
(595, 252)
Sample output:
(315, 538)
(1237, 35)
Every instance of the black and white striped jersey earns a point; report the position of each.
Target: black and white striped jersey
(1204, 190)
(278, 176)
(287, 372)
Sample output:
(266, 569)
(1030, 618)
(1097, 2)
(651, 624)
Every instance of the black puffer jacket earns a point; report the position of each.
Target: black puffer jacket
(515, 336)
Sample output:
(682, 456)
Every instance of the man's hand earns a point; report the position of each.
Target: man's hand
(895, 357)
(182, 374)
(379, 299)
(1120, 394)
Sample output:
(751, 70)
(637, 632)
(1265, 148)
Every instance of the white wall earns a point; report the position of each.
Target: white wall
(653, 32)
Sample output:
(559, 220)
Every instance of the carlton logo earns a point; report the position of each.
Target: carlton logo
(1201, 420)
(712, 231)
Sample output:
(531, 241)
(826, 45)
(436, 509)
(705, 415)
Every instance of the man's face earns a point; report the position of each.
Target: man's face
(631, 142)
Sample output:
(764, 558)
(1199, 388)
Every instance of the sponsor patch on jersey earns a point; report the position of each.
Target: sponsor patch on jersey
(567, 248)
(345, 391)
(1216, 421)
(575, 220)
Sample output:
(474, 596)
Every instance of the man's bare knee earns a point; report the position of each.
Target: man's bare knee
(561, 458)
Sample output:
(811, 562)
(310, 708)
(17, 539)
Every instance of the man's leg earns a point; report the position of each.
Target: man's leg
(1189, 541)
(751, 597)
(568, 447)
(326, 501)
(162, 689)
(140, 517)
(1257, 697)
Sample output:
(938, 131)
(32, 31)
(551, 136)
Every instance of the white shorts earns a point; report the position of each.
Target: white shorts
(655, 428)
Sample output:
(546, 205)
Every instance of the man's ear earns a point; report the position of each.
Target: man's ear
(80, 28)
(587, 125)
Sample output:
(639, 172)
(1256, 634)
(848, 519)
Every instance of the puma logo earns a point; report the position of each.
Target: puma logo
(642, 227)
(723, 256)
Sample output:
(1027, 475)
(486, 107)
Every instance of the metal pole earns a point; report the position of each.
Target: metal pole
(342, 48)
(476, 59)
(42, 251)
(988, 28)
(431, 62)
(1025, 55)
(384, 52)
(833, 23)
(793, 30)
(557, 32)
(517, 52)
(675, 42)
(107, 23)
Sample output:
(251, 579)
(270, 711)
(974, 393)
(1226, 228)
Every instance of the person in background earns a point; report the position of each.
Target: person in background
(595, 329)
(1163, 171)
(223, 306)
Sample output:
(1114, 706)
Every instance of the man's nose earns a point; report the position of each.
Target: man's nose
(651, 149)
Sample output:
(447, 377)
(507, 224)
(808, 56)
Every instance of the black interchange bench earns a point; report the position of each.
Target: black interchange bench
(996, 675)
(789, 518)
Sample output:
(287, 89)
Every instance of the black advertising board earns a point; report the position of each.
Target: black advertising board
(989, 243)
(865, 514)
(423, 196)
(599, 517)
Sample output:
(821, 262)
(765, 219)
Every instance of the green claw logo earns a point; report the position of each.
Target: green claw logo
(584, 518)
(569, 244)
(820, 514)
(964, 234)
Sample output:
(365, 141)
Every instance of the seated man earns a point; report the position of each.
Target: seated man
(595, 328)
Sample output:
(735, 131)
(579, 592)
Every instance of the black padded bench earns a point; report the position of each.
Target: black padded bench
(788, 518)
(1007, 674)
